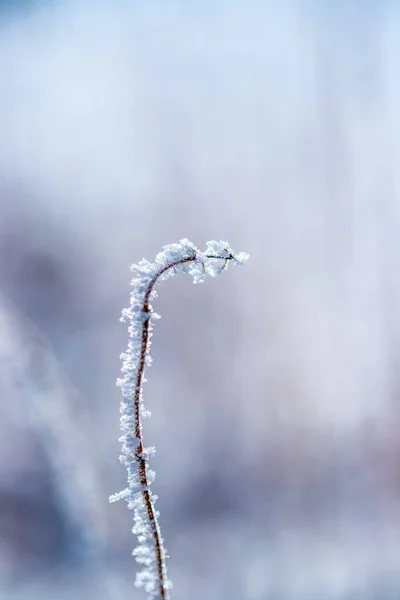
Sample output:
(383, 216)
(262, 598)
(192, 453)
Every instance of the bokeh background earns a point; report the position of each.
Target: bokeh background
(275, 390)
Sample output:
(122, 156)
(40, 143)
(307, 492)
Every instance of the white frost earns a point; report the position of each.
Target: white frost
(180, 257)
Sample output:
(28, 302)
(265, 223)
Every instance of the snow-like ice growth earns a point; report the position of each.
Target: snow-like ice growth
(174, 258)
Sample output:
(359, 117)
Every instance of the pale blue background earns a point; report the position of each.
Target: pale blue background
(275, 388)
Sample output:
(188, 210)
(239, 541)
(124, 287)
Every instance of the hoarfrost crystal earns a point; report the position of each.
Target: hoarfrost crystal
(180, 257)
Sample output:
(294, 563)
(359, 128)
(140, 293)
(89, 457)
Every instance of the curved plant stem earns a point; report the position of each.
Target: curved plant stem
(150, 551)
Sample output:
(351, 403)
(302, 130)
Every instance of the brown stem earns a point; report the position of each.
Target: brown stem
(141, 460)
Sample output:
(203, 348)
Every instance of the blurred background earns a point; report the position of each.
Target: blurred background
(275, 390)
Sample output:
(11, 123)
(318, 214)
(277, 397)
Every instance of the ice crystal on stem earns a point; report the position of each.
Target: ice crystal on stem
(174, 258)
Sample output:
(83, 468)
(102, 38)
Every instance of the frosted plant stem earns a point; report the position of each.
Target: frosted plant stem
(185, 257)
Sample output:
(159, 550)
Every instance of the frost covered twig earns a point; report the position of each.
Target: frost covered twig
(174, 258)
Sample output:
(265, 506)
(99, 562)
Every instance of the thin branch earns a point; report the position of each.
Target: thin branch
(174, 257)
